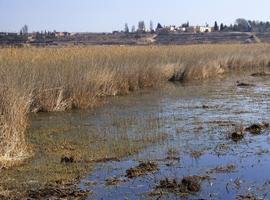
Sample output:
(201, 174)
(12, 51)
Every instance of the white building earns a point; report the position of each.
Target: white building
(203, 29)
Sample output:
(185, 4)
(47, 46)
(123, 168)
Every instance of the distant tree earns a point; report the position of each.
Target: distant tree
(221, 28)
(24, 30)
(141, 26)
(216, 26)
(185, 25)
(258, 26)
(133, 29)
(225, 28)
(159, 26)
(230, 28)
(242, 25)
(126, 29)
(151, 26)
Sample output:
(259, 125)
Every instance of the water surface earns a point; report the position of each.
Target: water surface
(196, 117)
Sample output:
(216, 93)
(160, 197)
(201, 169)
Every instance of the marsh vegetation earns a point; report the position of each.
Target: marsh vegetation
(48, 80)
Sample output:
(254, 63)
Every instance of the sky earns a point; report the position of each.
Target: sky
(109, 15)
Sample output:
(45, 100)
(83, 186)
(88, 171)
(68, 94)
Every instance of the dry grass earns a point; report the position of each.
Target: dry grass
(57, 79)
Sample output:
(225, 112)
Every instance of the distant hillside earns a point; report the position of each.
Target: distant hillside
(140, 39)
(206, 38)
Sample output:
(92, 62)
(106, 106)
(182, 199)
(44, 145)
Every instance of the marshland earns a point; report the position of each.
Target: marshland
(135, 121)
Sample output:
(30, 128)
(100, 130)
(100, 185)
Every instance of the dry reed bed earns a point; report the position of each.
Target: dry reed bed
(58, 79)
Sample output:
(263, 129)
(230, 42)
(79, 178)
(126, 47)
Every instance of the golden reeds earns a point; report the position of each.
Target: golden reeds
(57, 79)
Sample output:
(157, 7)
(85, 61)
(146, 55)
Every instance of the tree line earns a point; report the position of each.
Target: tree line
(240, 25)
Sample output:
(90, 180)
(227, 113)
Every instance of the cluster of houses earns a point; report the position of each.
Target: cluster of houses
(184, 28)
(54, 34)
(9, 34)
(37, 34)
(34, 37)
(187, 29)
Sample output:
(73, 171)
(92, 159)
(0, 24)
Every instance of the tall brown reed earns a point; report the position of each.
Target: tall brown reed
(57, 79)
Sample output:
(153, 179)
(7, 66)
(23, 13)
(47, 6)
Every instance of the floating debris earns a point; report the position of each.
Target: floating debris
(114, 181)
(257, 128)
(248, 197)
(188, 185)
(221, 149)
(172, 154)
(237, 135)
(90, 183)
(260, 74)
(265, 124)
(254, 129)
(205, 107)
(223, 169)
(142, 169)
(196, 154)
(222, 123)
(242, 84)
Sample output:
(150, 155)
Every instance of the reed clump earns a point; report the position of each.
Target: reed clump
(58, 79)
(14, 125)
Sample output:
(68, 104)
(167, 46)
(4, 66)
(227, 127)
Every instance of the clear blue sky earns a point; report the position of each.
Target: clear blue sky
(108, 15)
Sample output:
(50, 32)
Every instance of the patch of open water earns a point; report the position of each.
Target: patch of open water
(196, 117)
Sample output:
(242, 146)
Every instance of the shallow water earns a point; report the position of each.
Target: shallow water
(177, 110)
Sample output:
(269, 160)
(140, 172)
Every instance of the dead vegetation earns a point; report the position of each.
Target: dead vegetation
(223, 169)
(172, 154)
(255, 129)
(58, 192)
(242, 84)
(66, 159)
(114, 181)
(260, 74)
(59, 79)
(188, 185)
(248, 197)
(142, 169)
(237, 135)
(196, 154)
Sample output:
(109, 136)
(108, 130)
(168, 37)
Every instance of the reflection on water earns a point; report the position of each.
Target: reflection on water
(197, 117)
